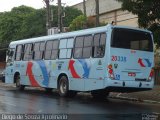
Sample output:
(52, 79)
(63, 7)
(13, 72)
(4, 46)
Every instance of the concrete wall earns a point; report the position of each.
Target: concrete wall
(110, 10)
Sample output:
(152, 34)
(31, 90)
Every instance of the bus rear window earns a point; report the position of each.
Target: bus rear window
(131, 39)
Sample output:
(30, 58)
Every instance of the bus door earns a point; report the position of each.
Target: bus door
(98, 61)
(9, 66)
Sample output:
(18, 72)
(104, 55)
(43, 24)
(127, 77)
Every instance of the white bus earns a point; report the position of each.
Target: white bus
(99, 60)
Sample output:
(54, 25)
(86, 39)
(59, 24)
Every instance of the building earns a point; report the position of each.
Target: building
(109, 10)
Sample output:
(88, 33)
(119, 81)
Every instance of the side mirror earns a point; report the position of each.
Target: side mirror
(11, 53)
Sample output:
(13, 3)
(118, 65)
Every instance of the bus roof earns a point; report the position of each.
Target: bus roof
(72, 34)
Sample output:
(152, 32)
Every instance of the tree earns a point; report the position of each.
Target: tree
(19, 22)
(70, 13)
(82, 22)
(26, 22)
(34, 25)
(78, 23)
(147, 12)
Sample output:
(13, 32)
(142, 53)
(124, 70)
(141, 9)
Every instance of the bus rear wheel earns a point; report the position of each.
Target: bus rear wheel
(100, 94)
(18, 84)
(63, 88)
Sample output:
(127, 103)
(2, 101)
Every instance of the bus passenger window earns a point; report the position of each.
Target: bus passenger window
(83, 46)
(79, 41)
(27, 52)
(78, 47)
(78, 53)
(48, 51)
(19, 50)
(52, 49)
(38, 50)
(66, 46)
(87, 46)
(99, 45)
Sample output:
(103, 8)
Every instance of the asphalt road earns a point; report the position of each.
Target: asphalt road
(83, 106)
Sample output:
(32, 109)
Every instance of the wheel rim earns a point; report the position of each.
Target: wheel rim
(63, 87)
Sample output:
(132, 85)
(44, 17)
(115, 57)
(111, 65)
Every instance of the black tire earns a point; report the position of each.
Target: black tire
(3, 79)
(100, 94)
(63, 88)
(18, 84)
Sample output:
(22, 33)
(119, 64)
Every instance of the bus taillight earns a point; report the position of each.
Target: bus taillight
(110, 71)
(151, 75)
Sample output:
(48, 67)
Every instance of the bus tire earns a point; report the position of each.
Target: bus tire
(100, 94)
(18, 84)
(63, 88)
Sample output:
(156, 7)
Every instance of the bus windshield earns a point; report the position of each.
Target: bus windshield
(131, 39)
(9, 55)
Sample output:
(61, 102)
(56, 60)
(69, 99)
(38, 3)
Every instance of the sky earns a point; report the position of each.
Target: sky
(7, 5)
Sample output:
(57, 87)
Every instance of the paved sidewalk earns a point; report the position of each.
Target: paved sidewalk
(147, 96)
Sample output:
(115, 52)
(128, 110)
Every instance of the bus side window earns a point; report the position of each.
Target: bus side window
(99, 45)
(83, 46)
(78, 47)
(10, 55)
(38, 50)
(66, 46)
(19, 51)
(87, 49)
(27, 51)
(51, 50)
(55, 49)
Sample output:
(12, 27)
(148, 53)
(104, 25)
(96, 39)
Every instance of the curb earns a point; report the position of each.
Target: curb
(134, 99)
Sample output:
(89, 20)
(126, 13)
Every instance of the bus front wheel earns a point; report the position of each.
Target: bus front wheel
(63, 88)
(18, 84)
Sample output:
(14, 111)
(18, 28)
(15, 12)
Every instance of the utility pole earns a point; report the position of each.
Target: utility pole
(59, 16)
(97, 12)
(84, 11)
(84, 7)
(48, 15)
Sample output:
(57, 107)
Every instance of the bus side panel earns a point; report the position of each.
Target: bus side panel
(96, 74)
(76, 84)
(20, 68)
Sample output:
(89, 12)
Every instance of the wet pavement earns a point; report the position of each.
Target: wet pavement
(151, 96)
(83, 106)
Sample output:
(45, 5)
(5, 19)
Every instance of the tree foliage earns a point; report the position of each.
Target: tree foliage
(78, 23)
(26, 22)
(68, 13)
(148, 14)
(82, 22)
(20, 23)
